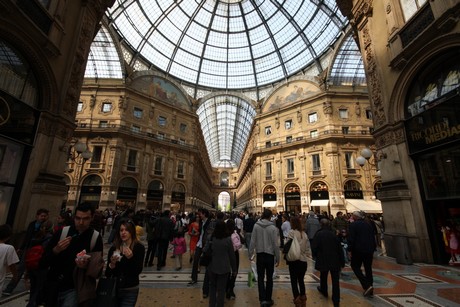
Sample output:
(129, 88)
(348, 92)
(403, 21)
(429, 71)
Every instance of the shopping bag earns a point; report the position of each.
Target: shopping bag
(254, 269)
(250, 279)
(106, 292)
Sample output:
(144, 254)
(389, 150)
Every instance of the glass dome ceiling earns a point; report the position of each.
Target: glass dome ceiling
(228, 44)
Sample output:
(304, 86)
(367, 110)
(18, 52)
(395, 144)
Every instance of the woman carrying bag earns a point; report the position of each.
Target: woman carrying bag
(298, 268)
(126, 263)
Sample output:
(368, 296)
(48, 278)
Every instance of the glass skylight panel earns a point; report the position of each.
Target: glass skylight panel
(193, 46)
(238, 40)
(138, 19)
(252, 20)
(240, 68)
(129, 33)
(212, 53)
(285, 35)
(178, 18)
(151, 9)
(170, 31)
(197, 32)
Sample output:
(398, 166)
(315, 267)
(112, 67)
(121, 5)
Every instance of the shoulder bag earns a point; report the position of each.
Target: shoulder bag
(294, 251)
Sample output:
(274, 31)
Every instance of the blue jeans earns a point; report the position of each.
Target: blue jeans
(127, 297)
(67, 298)
(265, 266)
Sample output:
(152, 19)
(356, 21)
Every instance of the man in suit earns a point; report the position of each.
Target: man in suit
(203, 215)
(361, 247)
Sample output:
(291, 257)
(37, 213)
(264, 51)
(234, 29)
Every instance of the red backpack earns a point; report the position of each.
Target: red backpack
(33, 256)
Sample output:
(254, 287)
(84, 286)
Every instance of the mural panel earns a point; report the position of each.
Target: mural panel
(289, 94)
(161, 89)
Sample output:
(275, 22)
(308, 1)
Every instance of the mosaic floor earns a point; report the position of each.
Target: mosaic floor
(395, 285)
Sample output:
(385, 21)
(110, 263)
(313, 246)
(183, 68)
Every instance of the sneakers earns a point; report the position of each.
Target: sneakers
(369, 292)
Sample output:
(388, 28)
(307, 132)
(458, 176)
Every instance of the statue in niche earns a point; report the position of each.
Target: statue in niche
(357, 109)
(277, 123)
(122, 102)
(92, 101)
(299, 116)
(327, 107)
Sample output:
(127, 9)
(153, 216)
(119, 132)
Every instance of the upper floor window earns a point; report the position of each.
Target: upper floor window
(289, 139)
(290, 166)
(106, 107)
(268, 130)
(183, 128)
(343, 113)
(316, 163)
(312, 117)
(80, 106)
(103, 124)
(158, 170)
(314, 133)
(410, 7)
(132, 160)
(268, 169)
(345, 130)
(368, 114)
(136, 129)
(180, 169)
(181, 141)
(96, 157)
(161, 136)
(288, 124)
(349, 161)
(137, 113)
(162, 121)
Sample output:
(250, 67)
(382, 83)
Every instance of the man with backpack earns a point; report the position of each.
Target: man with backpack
(65, 252)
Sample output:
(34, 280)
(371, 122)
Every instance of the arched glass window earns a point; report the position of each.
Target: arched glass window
(352, 185)
(16, 75)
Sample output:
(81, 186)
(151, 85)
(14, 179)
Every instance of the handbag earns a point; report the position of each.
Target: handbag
(294, 251)
(106, 292)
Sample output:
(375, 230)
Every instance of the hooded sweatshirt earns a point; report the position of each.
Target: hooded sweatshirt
(264, 239)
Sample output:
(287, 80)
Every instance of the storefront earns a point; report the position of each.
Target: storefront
(433, 138)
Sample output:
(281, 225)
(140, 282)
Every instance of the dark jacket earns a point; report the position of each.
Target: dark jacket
(164, 228)
(127, 270)
(361, 237)
(328, 251)
(62, 265)
(31, 232)
(248, 224)
(223, 256)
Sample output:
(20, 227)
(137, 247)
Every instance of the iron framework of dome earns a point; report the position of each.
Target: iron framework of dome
(228, 44)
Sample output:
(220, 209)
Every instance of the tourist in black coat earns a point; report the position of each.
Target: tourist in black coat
(329, 258)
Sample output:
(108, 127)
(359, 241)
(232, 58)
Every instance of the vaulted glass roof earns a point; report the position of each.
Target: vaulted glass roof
(226, 122)
(228, 44)
(348, 67)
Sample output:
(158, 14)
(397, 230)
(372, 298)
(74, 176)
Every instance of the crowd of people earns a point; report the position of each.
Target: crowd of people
(70, 252)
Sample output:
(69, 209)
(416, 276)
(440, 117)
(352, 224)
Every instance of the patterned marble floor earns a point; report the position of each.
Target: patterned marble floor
(395, 285)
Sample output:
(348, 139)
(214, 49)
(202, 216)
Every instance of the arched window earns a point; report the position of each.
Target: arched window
(352, 185)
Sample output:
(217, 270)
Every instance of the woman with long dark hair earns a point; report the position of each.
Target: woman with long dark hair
(298, 268)
(222, 264)
(126, 259)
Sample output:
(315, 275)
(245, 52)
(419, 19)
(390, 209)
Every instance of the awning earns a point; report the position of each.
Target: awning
(269, 204)
(368, 206)
(319, 203)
